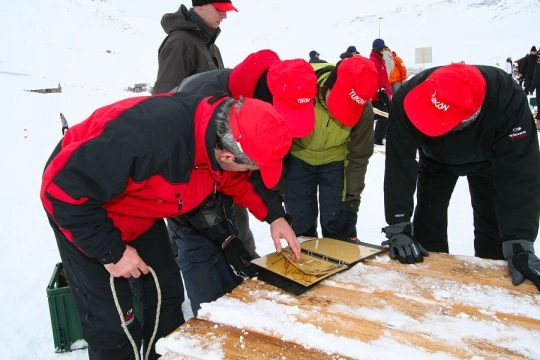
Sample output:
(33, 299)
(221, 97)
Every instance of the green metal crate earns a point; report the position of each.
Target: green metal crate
(66, 325)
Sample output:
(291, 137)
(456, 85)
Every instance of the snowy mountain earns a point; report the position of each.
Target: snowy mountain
(97, 48)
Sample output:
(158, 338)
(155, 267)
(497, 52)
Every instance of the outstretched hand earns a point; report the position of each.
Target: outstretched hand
(129, 265)
(280, 229)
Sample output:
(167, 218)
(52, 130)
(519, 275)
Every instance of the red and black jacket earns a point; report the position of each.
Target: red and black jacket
(138, 160)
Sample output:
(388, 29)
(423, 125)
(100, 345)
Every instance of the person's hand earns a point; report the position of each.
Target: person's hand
(129, 265)
(401, 244)
(522, 262)
(280, 229)
(238, 257)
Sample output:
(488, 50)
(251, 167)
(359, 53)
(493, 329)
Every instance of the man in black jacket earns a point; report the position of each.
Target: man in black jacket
(189, 47)
(472, 121)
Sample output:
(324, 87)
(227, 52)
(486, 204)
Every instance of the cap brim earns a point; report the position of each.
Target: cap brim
(300, 120)
(421, 112)
(224, 6)
(271, 173)
(345, 112)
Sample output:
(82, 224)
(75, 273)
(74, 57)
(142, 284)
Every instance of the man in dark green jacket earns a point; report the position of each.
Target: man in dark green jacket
(189, 47)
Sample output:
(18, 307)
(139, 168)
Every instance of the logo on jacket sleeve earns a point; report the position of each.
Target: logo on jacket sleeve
(517, 133)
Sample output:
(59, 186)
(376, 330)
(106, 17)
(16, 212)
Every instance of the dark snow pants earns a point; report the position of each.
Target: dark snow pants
(435, 185)
(381, 123)
(89, 284)
(207, 275)
(304, 183)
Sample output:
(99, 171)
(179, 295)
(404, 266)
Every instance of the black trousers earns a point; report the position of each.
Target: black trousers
(381, 123)
(435, 185)
(90, 287)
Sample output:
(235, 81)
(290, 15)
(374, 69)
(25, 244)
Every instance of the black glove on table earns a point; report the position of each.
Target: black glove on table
(522, 262)
(402, 245)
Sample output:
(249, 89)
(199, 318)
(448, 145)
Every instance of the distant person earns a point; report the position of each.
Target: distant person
(350, 52)
(535, 84)
(519, 67)
(189, 47)
(65, 125)
(113, 178)
(509, 66)
(325, 171)
(382, 100)
(314, 57)
(527, 70)
(456, 120)
(388, 60)
(399, 74)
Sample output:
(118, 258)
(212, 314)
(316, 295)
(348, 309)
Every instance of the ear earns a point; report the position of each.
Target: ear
(224, 156)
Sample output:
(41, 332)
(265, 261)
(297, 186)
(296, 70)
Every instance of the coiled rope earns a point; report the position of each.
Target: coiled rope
(123, 321)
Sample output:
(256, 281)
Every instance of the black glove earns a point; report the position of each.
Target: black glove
(64, 129)
(343, 225)
(238, 257)
(522, 262)
(383, 97)
(402, 244)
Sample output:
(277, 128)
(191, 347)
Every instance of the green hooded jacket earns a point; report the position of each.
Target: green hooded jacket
(332, 141)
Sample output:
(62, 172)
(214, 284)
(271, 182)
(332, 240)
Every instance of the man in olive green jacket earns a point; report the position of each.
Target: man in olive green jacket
(332, 160)
(189, 47)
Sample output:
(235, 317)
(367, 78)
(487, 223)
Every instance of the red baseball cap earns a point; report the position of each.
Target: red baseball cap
(293, 85)
(221, 5)
(224, 6)
(356, 83)
(244, 76)
(448, 96)
(262, 135)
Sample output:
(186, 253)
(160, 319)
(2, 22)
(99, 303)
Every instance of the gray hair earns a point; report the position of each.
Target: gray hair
(226, 140)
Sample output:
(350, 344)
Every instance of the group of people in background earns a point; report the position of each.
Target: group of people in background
(290, 141)
(526, 71)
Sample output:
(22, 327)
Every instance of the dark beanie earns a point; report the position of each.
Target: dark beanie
(533, 48)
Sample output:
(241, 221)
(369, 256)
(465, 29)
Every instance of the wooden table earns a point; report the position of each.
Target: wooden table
(446, 307)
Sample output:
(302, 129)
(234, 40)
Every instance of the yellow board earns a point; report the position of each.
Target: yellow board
(337, 250)
(320, 258)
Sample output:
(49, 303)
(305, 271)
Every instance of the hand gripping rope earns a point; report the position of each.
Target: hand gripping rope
(123, 321)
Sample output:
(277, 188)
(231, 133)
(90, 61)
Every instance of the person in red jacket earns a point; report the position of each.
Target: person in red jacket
(113, 178)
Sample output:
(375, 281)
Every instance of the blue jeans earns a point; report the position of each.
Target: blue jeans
(304, 181)
(207, 275)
